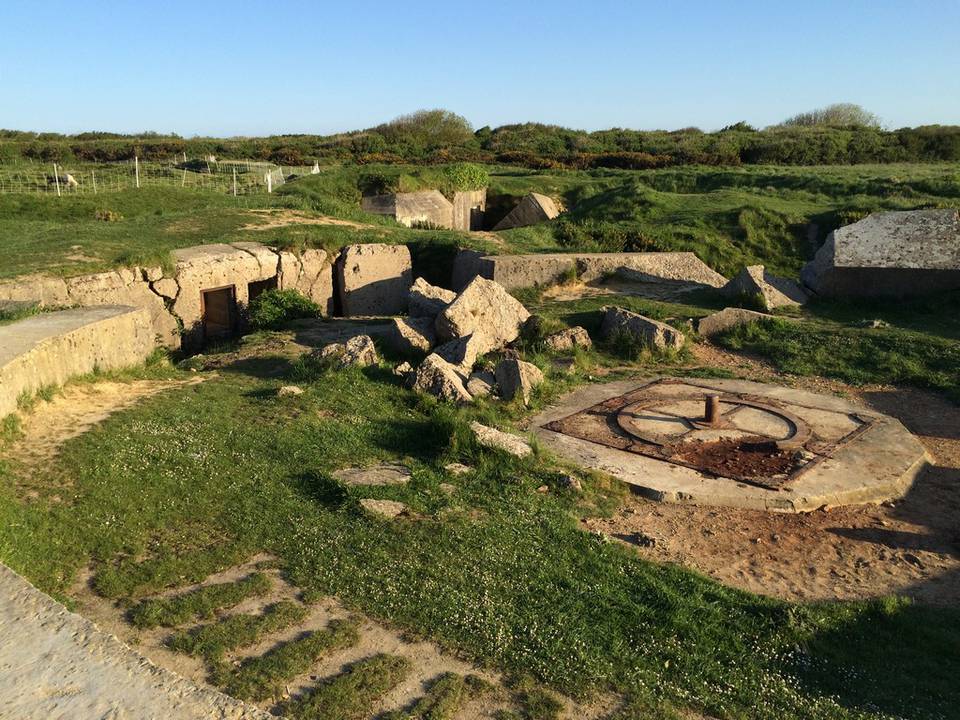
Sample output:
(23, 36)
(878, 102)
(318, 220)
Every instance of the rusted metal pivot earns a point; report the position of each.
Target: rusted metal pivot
(711, 409)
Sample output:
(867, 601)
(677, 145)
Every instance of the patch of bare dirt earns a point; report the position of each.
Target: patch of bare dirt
(270, 219)
(909, 547)
(665, 291)
(73, 411)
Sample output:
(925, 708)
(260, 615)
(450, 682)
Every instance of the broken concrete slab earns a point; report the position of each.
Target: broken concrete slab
(532, 209)
(373, 279)
(652, 333)
(480, 384)
(411, 335)
(428, 300)
(437, 377)
(498, 440)
(388, 509)
(375, 475)
(516, 377)
(770, 291)
(463, 352)
(568, 339)
(289, 391)
(484, 308)
(727, 318)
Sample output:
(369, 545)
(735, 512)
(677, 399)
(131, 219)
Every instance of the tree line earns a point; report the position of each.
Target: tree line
(837, 135)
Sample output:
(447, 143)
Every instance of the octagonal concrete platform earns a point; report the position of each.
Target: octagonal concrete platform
(864, 456)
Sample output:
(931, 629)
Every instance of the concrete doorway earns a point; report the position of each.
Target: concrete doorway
(219, 308)
(254, 289)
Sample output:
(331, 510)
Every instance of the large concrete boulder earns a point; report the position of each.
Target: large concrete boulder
(358, 351)
(727, 318)
(516, 377)
(567, 340)
(532, 209)
(657, 335)
(769, 290)
(412, 335)
(428, 300)
(483, 308)
(462, 353)
(436, 376)
(373, 279)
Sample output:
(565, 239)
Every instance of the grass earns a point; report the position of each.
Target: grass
(199, 603)
(350, 695)
(446, 696)
(854, 355)
(214, 640)
(262, 677)
(498, 572)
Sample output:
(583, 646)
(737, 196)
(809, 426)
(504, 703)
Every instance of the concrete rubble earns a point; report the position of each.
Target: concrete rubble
(568, 339)
(652, 333)
(498, 440)
(436, 376)
(388, 509)
(534, 208)
(358, 351)
(486, 308)
(770, 291)
(516, 377)
(428, 300)
(727, 318)
(411, 335)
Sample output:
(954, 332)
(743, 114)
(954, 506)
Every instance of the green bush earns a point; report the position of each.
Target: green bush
(272, 308)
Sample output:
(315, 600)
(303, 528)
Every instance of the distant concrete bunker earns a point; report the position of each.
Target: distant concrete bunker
(734, 443)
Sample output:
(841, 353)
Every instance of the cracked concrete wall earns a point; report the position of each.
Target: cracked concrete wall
(51, 348)
(521, 271)
(173, 303)
(468, 209)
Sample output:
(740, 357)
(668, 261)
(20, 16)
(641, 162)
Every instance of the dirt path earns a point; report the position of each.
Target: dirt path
(270, 219)
(909, 547)
(73, 411)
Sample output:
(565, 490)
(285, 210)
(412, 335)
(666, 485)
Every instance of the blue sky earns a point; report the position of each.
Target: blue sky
(253, 68)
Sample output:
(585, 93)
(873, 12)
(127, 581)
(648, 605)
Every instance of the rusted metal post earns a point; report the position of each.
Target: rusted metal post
(711, 409)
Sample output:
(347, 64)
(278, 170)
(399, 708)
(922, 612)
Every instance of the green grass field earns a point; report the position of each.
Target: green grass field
(729, 217)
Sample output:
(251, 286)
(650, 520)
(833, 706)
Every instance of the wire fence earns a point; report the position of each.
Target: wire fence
(237, 177)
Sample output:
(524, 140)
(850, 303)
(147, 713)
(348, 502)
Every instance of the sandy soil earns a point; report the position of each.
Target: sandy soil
(270, 219)
(909, 547)
(73, 411)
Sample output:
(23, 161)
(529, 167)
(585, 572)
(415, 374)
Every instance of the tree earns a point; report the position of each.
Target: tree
(837, 115)
(428, 129)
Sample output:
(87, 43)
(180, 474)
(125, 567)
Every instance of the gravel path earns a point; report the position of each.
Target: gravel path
(55, 664)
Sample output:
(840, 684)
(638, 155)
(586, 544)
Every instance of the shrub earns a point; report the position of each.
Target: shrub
(272, 308)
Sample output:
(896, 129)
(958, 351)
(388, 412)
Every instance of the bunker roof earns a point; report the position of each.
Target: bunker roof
(915, 239)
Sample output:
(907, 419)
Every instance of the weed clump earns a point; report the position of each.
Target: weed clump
(272, 308)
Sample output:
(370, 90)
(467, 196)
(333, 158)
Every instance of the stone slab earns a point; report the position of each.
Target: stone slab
(56, 664)
(878, 464)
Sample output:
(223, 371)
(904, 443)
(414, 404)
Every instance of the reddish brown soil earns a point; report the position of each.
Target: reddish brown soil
(909, 547)
(750, 457)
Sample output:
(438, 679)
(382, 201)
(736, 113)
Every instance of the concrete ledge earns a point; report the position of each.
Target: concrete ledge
(56, 664)
(50, 348)
(878, 464)
(521, 271)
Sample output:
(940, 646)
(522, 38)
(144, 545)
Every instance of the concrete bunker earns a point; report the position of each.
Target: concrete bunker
(889, 254)
(734, 443)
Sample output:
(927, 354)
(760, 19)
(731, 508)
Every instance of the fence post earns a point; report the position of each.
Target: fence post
(93, 174)
(183, 183)
(234, 182)
(136, 169)
(269, 183)
(56, 179)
